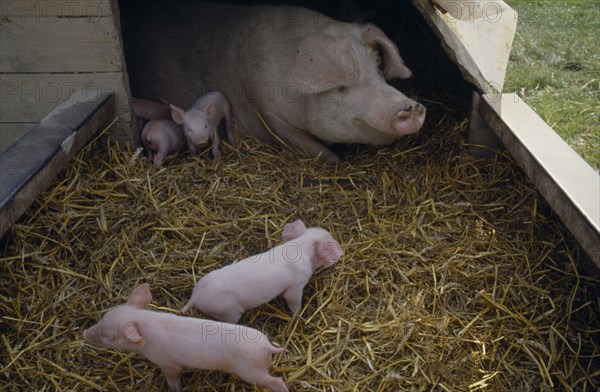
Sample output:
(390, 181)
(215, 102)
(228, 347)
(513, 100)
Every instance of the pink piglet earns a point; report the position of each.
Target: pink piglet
(200, 122)
(175, 342)
(226, 293)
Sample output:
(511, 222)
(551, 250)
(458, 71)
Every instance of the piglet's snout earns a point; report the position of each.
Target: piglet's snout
(198, 141)
(197, 146)
(409, 120)
(90, 335)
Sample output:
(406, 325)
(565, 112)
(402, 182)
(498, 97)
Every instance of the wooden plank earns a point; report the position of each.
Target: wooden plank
(29, 166)
(11, 132)
(482, 141)
(63, 45)
(51, 10)
(564, 179)
(29, 97)
(476, 35)
(124, 132)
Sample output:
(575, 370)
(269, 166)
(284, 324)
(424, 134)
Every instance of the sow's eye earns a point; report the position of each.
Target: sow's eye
(342, 89)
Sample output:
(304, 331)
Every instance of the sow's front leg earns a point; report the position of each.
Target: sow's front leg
(301, 140)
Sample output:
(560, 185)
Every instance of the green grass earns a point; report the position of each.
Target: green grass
(555, 66)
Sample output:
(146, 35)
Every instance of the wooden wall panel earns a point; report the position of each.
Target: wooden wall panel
(29, 97)
(51, 48)
(65, 45)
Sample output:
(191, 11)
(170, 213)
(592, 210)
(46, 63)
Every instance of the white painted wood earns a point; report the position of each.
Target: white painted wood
(478, 35)
(567, 182)
(557, 158)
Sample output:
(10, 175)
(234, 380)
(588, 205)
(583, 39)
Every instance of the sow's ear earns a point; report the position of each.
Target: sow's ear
(324, 62)
(293, 230)
(393, 66)
(140, 297)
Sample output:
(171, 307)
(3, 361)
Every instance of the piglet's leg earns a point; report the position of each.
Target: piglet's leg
(173, 375)
(276, 384)
(150, 156)
(293, 297)
(159, 158)
(230, 126)
(258, 374)
(231, 317)
(216, 143)
(191, 148)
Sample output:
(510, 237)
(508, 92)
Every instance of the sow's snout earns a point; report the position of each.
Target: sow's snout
(409, 120)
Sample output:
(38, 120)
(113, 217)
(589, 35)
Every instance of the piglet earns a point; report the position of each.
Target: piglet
(161, 138)
(226, 293)
(151, 110)
(174, 342)
(201, 120)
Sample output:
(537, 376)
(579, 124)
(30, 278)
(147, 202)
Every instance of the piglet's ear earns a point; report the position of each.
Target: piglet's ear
(293, 230)
(328, 252)
(210, 110)
(132, 334)
(140, 297)
(177, 113)
(392, 66)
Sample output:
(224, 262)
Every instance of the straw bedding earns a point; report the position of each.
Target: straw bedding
(456, 276)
